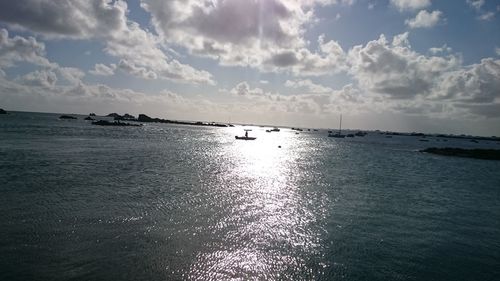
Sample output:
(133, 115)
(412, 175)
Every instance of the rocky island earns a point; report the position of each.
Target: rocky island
(3, 111)
(488, 154)
(67, 117)
(114, 123)
(146, 119)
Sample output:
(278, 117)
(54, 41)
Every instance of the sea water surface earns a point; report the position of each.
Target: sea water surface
(167, 202)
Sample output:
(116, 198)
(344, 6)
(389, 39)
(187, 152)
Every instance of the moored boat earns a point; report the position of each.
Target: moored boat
(244, 138)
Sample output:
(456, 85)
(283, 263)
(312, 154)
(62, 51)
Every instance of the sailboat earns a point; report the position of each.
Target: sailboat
(339, 133)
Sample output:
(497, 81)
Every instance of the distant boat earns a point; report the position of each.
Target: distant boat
(339, 134)
(245, 137)
(275, 129)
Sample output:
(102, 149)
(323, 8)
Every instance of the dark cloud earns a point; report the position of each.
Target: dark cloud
(284, 59)
(68, 18)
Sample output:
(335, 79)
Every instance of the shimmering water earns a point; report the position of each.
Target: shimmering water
(164, 202)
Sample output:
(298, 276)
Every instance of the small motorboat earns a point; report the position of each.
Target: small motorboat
(245, 137)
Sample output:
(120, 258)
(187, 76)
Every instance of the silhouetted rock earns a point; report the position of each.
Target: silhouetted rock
(88, 118)
(114, 115)
(114, 123)
(490, 154)
(3, 111)
(67, 117)
(92, 114)
(145, 118)
(126, 117)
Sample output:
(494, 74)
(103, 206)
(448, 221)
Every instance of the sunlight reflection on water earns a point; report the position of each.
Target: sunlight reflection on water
(267, 227)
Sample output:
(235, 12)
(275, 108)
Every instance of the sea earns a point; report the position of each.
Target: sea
(178, 202)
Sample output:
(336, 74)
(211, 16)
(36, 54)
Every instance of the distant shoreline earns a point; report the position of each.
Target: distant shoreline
(225, 124)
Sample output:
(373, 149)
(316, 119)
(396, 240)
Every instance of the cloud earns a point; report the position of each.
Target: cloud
(138, 71)
(39, 78)
(105, 20)
(407, 81)
(264, 34)
(395, 69)
(17, 49)
(476, 4)
(103, 70)
(243, 89)
(308, 86)
(403, 5)
(497, 51)
(442, 49)
(476, 84)
(487, 16)
(73, 19)
(424, 19)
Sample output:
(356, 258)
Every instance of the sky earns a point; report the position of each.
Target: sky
(402, 65)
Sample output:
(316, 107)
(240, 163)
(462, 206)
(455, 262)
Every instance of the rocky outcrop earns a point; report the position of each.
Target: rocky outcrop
(489, 154)
(114, 123)
(3, 111)
(114, 115)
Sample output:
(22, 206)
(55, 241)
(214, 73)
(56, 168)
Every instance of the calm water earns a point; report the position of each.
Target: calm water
(163, 202)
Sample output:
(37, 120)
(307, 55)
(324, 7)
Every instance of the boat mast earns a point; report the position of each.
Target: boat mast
(340, 127)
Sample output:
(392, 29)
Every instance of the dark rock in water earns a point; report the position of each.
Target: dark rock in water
(115, 123)
(89, 118)
(126, 116)
(145, 118)
(67, 117)
(114, 115)
(3, 111)
(489, 154)
(92, 114)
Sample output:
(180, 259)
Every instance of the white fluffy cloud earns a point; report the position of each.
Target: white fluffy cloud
(410, 4)
(308, 86)
(14, 49)
(243, 89)
(425, 84)
(424, 19)
(395, 70)
(106, 20)
(264, 34)
(103, 70)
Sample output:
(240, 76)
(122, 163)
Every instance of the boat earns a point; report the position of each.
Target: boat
(339, 133)
(244, 138)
